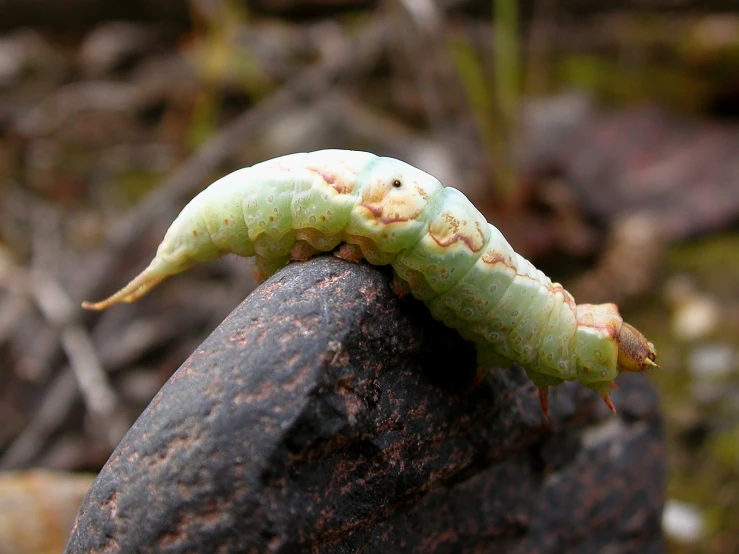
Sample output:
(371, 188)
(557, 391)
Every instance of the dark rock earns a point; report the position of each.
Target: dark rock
(325, 415)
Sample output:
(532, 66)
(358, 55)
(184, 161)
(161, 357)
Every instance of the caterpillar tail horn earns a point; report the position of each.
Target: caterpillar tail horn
(138, 287)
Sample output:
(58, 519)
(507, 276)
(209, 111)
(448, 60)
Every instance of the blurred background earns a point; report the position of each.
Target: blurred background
(601, 137)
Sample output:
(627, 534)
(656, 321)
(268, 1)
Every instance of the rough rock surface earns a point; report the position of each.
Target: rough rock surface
(325, 415)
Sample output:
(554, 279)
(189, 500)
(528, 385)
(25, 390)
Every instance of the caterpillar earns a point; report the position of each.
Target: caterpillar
(440, 247)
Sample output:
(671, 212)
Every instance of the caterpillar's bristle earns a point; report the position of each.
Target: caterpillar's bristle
(650, 364)
(479, 377)
(607, 399)
(544, 399)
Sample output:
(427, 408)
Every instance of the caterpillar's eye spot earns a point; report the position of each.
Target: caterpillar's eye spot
(397, 184)
(271, 219)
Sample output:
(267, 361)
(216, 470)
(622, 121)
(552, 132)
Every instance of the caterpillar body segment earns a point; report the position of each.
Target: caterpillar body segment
(440, 246)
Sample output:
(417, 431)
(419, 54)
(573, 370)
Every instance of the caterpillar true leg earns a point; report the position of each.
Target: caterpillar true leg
(302, 251)
(349, 252)
(400, 288)
(264, 268)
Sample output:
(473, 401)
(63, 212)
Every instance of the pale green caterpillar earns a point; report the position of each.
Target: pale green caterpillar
(441, 248)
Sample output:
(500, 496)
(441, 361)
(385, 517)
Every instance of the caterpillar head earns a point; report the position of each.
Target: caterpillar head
(392, 202)
(635, 352)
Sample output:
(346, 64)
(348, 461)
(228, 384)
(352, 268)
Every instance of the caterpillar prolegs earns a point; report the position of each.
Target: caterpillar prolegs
(441, 249)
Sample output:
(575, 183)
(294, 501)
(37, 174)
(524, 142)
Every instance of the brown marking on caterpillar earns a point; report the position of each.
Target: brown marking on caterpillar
(374, 210)
(393, 219)
(456, 238)
(194, 233)
(556, 287)
(493, 257)
(277, 164)
(329, 179)
(452, 221)
(480, 231)
(568, 298)
(588, 316)
(225, 221)
(378, 211)
(440, 232)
